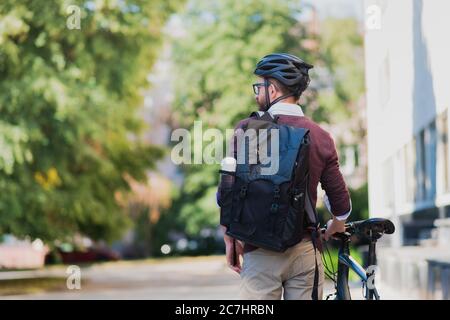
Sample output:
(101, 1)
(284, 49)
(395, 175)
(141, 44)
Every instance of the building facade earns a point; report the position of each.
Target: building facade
(407, 51)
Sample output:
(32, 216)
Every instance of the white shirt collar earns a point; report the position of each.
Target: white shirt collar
(288, 109)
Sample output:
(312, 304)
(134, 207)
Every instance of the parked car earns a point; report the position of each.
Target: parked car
(92, 254)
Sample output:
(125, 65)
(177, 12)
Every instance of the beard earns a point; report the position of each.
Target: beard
(261, 103)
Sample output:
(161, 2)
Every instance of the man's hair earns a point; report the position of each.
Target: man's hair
(284, 89)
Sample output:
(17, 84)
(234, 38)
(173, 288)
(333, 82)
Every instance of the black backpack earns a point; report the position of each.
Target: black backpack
(271, 211)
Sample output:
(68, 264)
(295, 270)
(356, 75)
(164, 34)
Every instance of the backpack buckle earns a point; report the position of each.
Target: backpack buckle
(274, 207)
(276, 191)
(243, 192)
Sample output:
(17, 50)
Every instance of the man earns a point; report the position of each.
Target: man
(282, 78)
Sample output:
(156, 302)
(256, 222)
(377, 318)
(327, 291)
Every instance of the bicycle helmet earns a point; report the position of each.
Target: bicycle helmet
(288, 69)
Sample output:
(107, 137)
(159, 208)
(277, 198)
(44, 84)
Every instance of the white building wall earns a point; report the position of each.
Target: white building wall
(407, 86)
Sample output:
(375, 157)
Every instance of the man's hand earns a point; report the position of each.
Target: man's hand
(334, 226)
(229, 249)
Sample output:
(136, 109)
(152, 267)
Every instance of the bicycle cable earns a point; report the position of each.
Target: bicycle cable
(327, 270)
(331, 274)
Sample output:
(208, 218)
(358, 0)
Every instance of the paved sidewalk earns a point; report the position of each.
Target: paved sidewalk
(178, 279)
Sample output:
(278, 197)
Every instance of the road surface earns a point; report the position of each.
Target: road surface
(176, 279)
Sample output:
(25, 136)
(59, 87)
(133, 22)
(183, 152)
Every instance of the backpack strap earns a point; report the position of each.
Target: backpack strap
(264, 115)
(242, 194)
(256, 114)
(301, 172)
(302, 179)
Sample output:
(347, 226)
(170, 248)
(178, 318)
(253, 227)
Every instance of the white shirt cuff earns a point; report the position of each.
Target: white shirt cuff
(328, 206)
(345, 216)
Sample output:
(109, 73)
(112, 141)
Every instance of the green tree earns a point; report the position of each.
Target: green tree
(342, 57)
(68, 128)
(341, 102)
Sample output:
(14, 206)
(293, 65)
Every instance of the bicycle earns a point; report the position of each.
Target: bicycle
(373, 229)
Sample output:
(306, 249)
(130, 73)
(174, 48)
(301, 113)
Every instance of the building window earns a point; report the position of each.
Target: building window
(431, 160)
(420, 167)
(421, 158)
(442, 123)
(426, 148)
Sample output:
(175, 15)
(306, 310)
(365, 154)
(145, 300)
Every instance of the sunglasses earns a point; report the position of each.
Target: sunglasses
(256, 87)
(260, 84)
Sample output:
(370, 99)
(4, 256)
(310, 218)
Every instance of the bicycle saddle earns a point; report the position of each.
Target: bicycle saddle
(374, 227)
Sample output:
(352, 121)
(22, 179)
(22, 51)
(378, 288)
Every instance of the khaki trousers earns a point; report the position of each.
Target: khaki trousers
(269, 275)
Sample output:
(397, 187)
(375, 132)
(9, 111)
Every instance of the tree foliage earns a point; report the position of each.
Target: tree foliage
(68, 125)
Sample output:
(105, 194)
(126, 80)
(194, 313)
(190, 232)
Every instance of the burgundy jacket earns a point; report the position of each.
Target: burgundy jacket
(323, 162)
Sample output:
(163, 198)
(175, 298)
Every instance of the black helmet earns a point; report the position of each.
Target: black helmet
(288, 69)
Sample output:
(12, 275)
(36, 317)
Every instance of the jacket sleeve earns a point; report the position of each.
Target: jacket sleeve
(332, 181)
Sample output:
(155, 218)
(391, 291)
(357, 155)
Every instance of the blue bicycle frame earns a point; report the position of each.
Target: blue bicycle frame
(345, 263)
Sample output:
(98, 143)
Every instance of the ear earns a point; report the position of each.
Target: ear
(272, 90)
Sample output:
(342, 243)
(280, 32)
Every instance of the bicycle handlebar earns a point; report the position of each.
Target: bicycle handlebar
(374, 228)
